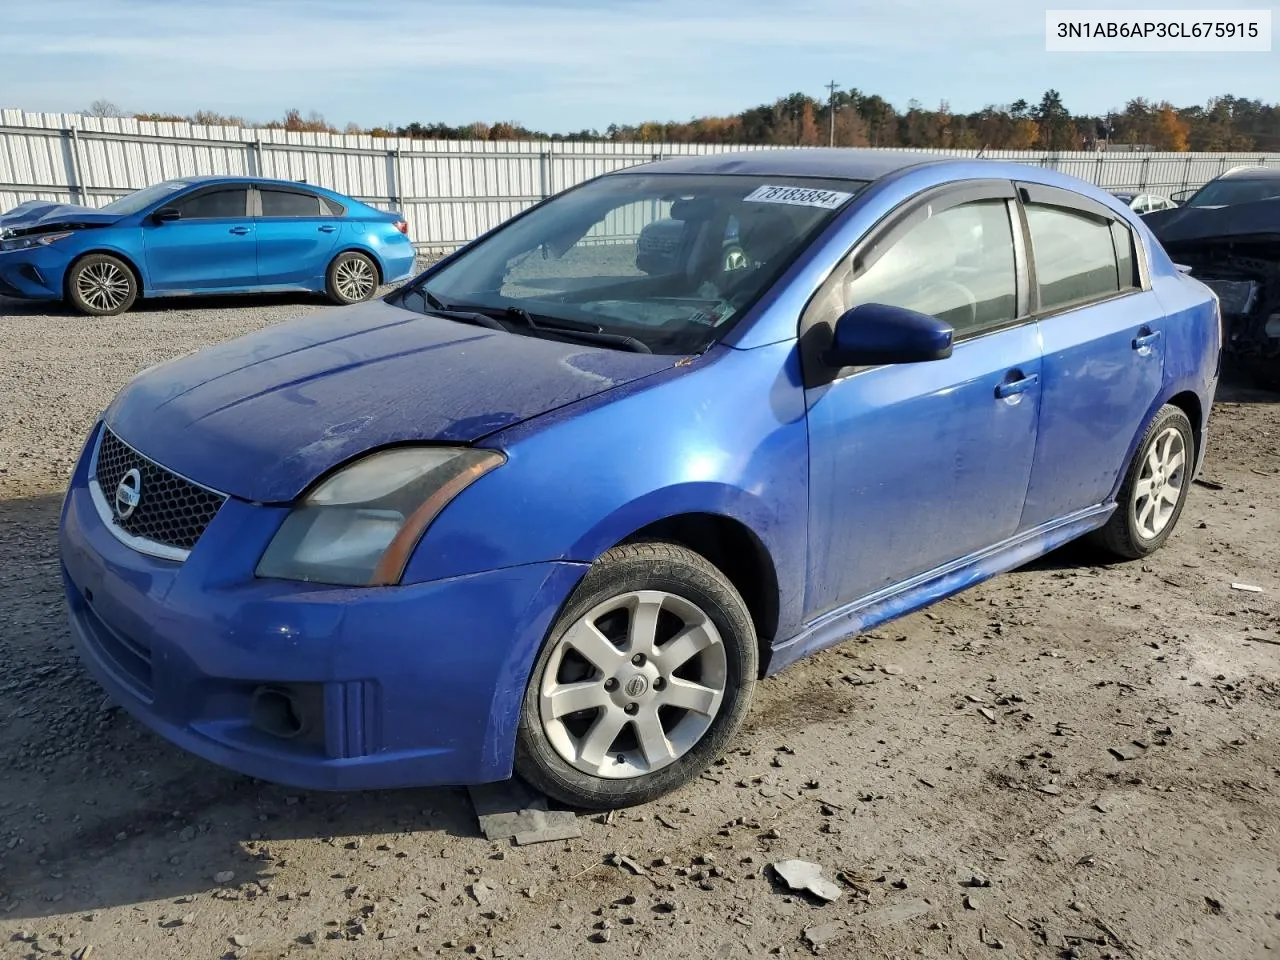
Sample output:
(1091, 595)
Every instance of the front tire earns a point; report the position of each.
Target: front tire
(644, 680)
(101, 285)
(352, 278)
(1155, 489)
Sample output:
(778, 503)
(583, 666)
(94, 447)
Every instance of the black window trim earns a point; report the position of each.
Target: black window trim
(204, 190)
(322, 209)
(1046, 196)
(872, 245)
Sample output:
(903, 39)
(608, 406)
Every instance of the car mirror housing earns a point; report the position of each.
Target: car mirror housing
(875, 333)
(166, 215)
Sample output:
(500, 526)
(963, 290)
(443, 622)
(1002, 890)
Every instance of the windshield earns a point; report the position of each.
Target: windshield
(1223, 193)
(665, 260)
(141, 199)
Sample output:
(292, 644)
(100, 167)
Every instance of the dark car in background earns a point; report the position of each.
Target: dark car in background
(201, 235)
(1228, 235)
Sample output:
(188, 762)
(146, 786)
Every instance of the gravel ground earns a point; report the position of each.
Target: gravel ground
(1069, 761)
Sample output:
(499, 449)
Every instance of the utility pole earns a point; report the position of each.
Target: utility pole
(831, 109)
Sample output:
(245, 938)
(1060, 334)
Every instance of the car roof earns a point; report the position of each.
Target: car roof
(837, 163)
(861, 164)
(264, 181)
(1251, 173)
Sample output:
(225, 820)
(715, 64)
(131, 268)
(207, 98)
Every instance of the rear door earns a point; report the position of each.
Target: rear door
(210, 247)
(1103, 334)
(297, 231)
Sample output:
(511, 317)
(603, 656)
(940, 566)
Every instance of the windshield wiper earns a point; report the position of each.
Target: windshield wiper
(438, 308)
(469, 316)
(588, 333)
(483, 316)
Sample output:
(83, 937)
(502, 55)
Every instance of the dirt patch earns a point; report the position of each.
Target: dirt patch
(1069, 761)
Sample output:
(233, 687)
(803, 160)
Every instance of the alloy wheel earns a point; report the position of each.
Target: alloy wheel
(1159, 486)
(633, 685)
(354, 279)
(103, 286)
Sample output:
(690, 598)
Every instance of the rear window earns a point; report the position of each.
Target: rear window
(287, 203)
(1224, 193)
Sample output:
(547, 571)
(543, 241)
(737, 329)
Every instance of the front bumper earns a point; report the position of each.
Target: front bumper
(34, 274)
(417, 685)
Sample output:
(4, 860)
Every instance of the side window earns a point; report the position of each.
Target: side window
(286, 203)
(1141, 204)
(332, 207)
(957, 266)
(1126, 261)
(215, 205)
(1075, 256)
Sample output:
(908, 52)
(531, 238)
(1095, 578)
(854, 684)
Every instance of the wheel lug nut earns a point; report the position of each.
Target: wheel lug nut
(631, 708)
(659, 683)
(611, 684)
(638, 659)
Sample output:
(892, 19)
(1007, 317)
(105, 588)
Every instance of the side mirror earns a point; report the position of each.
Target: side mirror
(166, 215)
(875, 333)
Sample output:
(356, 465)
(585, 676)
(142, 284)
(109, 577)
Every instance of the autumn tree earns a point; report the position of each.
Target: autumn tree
(808, 134)
(1169, 131)
(1224, 123)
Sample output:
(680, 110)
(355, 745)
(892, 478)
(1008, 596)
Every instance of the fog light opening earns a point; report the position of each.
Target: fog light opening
(276, 711)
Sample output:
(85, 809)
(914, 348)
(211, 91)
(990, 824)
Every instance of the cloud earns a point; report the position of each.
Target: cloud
(561, 64)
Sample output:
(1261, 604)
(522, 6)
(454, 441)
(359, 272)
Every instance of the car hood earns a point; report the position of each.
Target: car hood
(1238, 220)
(262, 416)
(41, 214)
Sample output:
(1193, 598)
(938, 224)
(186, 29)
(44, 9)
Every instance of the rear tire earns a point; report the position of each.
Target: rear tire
(352, 278)
(1154, 491)
(657, 654)
(101, 285)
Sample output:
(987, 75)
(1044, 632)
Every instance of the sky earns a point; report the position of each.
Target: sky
(567, 65)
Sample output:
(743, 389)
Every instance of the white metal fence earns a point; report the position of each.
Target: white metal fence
(449, 191)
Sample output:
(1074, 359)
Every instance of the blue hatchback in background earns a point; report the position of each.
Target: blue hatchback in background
(557, 504)
(201, 235)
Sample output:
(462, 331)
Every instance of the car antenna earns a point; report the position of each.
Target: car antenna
(981, 152)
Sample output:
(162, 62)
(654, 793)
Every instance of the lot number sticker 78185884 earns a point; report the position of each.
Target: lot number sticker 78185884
(798, 196)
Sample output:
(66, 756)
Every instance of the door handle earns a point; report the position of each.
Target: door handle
(1144, 342)
(1011, 388)
(241, 231)
(327, 228)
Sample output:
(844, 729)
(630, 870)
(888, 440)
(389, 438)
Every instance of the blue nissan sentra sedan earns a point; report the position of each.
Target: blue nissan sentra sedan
(543, 511)
(201, 235)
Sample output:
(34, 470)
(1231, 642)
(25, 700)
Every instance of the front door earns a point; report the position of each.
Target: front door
(211, 246)
(916, 465)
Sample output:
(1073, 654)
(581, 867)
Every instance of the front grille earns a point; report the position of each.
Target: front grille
(170, 510)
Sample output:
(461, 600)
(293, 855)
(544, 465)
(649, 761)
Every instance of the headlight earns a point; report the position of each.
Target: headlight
(38, 240)
(359, 526)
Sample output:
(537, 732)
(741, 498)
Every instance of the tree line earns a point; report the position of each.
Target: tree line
(851, 118)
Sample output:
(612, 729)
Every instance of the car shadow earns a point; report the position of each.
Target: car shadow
(97, 811)
(57, 308)
(1240, 387)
